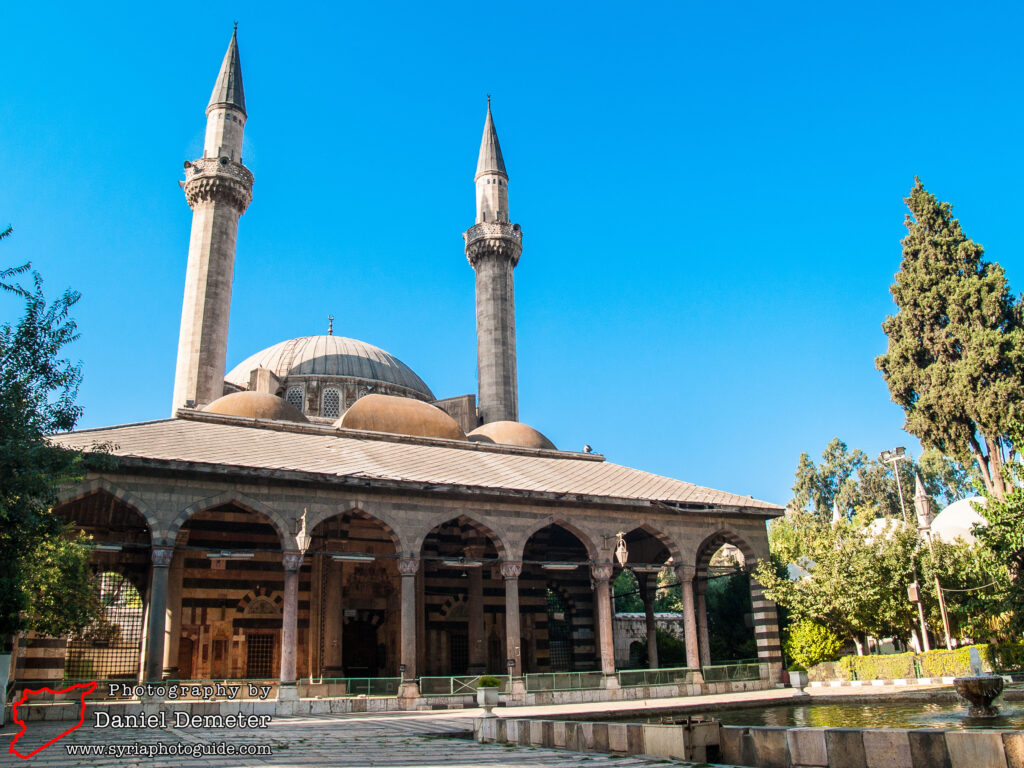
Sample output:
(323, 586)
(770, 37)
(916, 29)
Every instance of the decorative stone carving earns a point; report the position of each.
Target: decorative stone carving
(601, 572)
(210, 180)
(685, 573)
(511, 569)
(292, 561)
(408, 566)
(487, 238)
(162, 557)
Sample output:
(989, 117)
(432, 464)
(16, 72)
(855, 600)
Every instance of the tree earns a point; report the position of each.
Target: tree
(45, 583)
(808, 643)
(955, 360)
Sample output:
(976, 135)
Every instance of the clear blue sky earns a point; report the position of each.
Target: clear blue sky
(711, 197)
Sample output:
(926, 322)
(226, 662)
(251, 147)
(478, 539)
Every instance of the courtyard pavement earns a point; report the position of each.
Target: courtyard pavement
(397, 739)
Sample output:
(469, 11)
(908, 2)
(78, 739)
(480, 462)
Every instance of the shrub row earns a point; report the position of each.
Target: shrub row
(939, 663)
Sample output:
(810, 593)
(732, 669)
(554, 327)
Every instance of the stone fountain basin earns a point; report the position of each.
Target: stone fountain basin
(980, 691)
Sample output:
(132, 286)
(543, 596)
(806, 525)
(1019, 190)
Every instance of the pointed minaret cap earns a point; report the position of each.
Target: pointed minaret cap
(228, 89)
(490, 151)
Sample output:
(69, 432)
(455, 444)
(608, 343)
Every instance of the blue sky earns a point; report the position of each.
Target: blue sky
(711, 197)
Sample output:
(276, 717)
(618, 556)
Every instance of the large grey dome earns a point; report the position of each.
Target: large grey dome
(330, 356)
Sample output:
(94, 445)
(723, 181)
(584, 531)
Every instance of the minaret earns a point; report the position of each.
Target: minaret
(218, 188)
(493, 247)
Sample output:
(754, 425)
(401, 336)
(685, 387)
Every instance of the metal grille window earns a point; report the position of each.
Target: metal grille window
(559, 634)
(295, 397)
(330, 405)
(110, 648)
(259, 657)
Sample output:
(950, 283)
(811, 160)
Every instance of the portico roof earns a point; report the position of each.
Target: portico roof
(214, 442)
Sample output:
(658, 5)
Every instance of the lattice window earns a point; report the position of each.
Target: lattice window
(259, 657)
(330, 404)
(295, 397)
(110, 648)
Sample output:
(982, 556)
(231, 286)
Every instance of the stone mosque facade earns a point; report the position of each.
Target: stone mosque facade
(317, 512)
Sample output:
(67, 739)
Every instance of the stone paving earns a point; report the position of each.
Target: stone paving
(392, 739)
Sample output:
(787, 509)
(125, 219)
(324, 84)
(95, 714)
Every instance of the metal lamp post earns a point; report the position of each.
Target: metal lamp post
(894, 457)
(922, 505)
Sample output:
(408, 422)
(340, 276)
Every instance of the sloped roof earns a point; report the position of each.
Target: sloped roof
(228, 88)
(490, 159)
(216, 440)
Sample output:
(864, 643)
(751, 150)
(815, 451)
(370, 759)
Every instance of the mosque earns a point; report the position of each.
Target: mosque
(318, 512)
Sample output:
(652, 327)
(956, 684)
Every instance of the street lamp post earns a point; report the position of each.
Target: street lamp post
(922, 505)
(893, 457)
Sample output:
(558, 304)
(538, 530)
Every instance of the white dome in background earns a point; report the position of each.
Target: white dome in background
(956, 520)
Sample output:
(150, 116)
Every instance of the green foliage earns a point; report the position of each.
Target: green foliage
(855, 575)
(1003, 534)
(1008, 657)
(955, 360)
(829, 670)
(730, 638)
(975, 581)
(808, 643)
(892, 666)
(943, 663)
(43, 570)
(626, 589)
(488, 681)
(671, 650)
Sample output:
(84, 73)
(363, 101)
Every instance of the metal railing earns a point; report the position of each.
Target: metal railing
(457, 685)
(337, 687)
(643, 677)
(562, 681)
(723, 673)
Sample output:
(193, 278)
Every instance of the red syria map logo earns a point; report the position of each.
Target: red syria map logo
(84, 690)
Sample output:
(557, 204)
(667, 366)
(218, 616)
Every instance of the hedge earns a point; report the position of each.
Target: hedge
(955, 663)
(939, 663)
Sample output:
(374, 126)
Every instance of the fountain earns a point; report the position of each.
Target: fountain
(979, 689)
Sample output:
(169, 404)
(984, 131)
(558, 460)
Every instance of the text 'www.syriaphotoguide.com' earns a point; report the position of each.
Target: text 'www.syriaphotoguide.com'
(168, 749)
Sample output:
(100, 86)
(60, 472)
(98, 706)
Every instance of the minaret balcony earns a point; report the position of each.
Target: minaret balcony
(213, 179)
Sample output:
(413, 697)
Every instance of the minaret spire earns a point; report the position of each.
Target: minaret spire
(228, 88)
(218, 189)
(493, 246)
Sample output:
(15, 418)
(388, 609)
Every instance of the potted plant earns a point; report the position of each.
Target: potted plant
(487, 688)
(798, 677)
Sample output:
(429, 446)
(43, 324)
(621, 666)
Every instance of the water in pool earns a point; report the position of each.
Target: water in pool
(909, 714)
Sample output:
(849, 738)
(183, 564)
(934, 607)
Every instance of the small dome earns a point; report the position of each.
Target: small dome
(255, 405)
(330, 356)
(511, 433)
(400, 416)
(956, 520)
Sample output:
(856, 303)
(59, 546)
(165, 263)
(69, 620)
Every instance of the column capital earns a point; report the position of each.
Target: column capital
(408, 566)
(162, 556)
(686, 572)
(292, 561)
(601, 571)
(510, 569)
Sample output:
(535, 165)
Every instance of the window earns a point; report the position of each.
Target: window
(330, 405)
(295, 397)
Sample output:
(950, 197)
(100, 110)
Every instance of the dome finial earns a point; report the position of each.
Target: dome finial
(330, 325)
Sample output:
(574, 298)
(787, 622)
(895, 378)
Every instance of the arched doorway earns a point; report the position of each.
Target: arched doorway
(724, 609)
(463, 600)
(556, 601)
(647, 585)
(355, 606)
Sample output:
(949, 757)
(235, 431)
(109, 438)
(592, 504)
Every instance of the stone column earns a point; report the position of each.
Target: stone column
(154, 664)
(703, 643)
(510, 571)
(602, 600)
(685, 574)
(332, 619)
(649, 622)
(289, 625)
(475, 624)
(408, 567)
(766, 633)
(172, 635)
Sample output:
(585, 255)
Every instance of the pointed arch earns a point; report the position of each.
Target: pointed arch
(466, 522)
(714, 541)
(285, 537)
(584, 537)
(673, 549)
(71, 494)
(321, 517)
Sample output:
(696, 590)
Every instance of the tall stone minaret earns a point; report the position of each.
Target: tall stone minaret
(218, 189)
(493, 247)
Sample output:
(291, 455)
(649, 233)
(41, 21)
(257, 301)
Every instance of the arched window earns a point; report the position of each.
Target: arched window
(109, 648)
(295, 397)
(330, 404)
